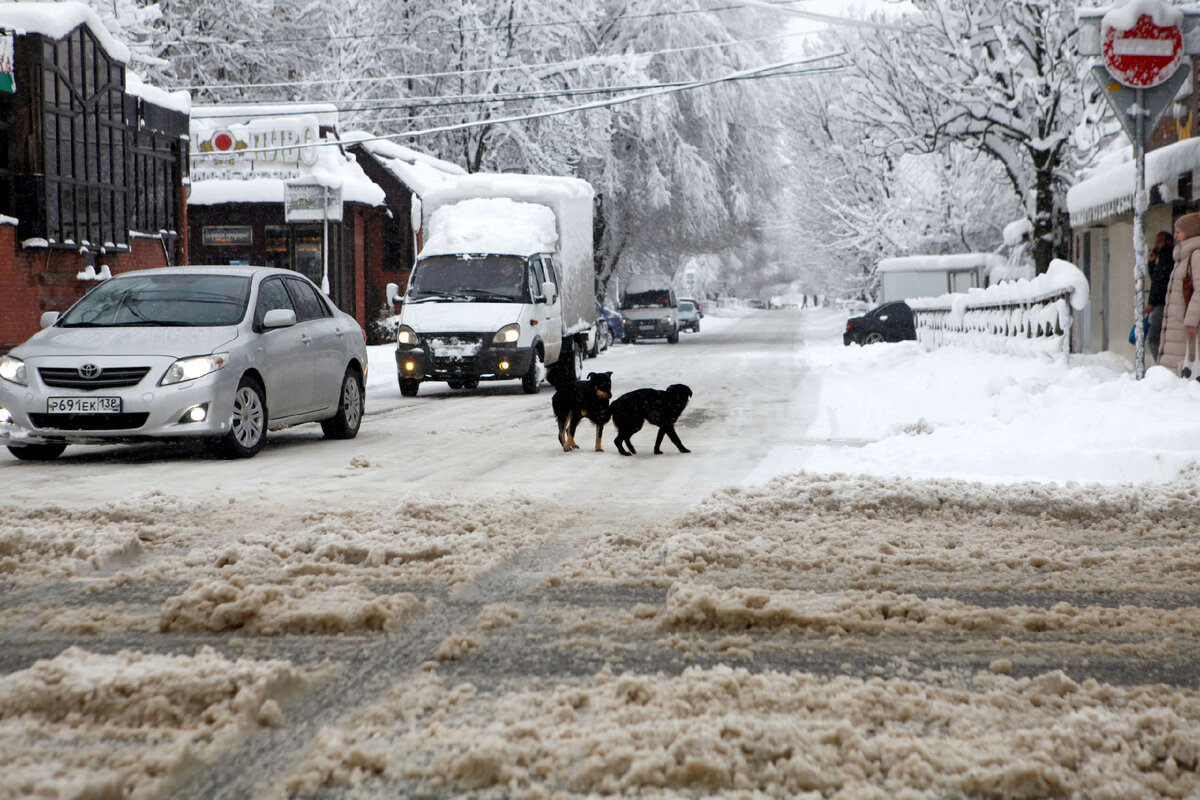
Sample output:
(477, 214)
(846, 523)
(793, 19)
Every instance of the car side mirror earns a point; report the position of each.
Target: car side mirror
(549, 291)
(279, 318)
(49, 318)
(392, 292)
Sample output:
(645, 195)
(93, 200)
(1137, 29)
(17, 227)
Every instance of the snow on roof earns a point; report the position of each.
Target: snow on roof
(56, 20)
(940, 263)
(548, 189)
(180, 101)
(1108, 192)
(416, 170)
(491, 225)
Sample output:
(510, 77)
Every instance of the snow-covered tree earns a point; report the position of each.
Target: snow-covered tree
(1002, 76)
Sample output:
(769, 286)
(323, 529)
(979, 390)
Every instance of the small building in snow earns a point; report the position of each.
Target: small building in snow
(933, 275)
(92, 163)
(274, 185)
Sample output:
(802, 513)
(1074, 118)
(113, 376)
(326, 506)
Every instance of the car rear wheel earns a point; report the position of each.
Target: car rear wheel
(345, 423)
(248, 429)
(37, 452)
(874, 337)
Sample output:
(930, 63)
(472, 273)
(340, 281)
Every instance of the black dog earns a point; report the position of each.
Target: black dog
(660, 408)
(582, 399)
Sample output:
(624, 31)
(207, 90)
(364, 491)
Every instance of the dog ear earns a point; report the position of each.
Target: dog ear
(591, 375)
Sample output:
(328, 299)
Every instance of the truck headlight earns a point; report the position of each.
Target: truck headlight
(188, 369)
(13, 370)
(508, 334)
(406, 335)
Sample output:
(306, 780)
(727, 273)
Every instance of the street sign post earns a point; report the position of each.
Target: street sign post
(1141, 44)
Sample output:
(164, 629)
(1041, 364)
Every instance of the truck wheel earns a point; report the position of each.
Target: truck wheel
(409, 387)
(674, 337)
(531, 381)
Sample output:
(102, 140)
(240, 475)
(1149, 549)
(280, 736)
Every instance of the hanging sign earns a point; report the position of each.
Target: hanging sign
(8, 81)
(308, 202)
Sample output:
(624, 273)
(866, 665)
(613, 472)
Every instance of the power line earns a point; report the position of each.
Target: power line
(442, 101)
(571, 64)
(763, 71)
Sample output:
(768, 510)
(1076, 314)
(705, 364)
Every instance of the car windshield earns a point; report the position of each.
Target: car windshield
(655, 298)
(178, 300)
(478, 278)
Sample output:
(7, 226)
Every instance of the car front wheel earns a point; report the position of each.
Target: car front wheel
(37, 452)
(248, 429)
(345, 423)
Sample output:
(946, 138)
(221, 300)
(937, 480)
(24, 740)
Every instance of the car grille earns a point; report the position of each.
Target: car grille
(454, 353)
(109, 378)
(88, 422)
(464, 365)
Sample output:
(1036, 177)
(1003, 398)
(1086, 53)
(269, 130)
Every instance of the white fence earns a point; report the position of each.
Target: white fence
(1025, 317)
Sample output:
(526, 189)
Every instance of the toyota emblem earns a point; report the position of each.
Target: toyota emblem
(89, 372)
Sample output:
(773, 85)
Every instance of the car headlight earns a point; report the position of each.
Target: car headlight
(508, 334)
(406, 335)
(188, 369)
(13, 370)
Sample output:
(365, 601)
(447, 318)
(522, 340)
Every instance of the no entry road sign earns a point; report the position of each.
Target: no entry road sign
(1142, 55)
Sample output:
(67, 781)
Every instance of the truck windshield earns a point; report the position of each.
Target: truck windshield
(655, 298)
(480, 278)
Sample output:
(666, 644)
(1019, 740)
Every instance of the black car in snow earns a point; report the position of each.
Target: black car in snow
(890, 322)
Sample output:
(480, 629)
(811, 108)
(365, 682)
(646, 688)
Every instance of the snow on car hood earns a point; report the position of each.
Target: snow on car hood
(434, 317)
(139, 341)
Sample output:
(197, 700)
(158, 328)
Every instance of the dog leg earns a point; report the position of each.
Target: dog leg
(562, 434)
(576, 418)
(668, 430)
(599, 444)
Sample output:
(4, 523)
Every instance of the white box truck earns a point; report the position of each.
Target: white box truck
(503, 285)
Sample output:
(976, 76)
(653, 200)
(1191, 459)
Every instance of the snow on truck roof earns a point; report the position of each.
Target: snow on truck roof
(941, 263)
(490, 225)
(548, 189)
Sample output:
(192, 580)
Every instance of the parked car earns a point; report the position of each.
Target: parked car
(223, 353)
(890, 322)
(689, 317)
(616, 330)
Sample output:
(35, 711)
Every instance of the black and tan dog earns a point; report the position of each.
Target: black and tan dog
(658, 407)
(588, 398)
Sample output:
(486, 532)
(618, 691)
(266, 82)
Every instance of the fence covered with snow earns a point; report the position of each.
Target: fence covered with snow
(1023, 317)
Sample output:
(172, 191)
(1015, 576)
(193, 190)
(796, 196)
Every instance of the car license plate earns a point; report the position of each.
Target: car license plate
(83, 405)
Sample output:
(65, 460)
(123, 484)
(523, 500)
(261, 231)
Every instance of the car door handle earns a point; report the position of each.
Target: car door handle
(304, 338)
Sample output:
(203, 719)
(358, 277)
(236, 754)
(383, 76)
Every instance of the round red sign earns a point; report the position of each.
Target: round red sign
(222, 141)
(1144, 55)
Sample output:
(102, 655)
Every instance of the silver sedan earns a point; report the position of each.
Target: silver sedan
(226, 353)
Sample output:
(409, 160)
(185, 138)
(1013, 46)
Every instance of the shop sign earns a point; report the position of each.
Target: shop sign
(214, 235)
(306, 202)
(8, 82)
(260, 144)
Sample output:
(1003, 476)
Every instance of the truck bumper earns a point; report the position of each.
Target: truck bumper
(649, 329)
(488, 364)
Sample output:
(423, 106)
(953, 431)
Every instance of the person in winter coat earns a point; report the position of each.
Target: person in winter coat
(1181, 314)
(1162, 261)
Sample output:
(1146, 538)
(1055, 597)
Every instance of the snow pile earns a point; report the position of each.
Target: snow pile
(728, 732)
(56, 20)
(130, 724)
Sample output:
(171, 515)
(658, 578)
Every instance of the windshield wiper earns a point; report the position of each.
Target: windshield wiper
(495, 296)
(440, 297)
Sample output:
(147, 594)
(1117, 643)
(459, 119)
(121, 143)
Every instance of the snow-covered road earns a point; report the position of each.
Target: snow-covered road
(449, 605)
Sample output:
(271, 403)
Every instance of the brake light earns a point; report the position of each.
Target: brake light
(849, 324)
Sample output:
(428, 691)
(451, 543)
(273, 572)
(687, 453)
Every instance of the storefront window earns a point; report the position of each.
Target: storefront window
(308, 252)
(278, 253)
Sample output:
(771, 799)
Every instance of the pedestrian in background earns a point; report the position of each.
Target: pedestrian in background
(1181, 313)
(1162, 261)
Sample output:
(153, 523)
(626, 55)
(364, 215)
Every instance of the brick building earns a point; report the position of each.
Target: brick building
(92, 163)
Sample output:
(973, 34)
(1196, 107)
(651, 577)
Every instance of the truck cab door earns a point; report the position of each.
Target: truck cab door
(547, 308)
